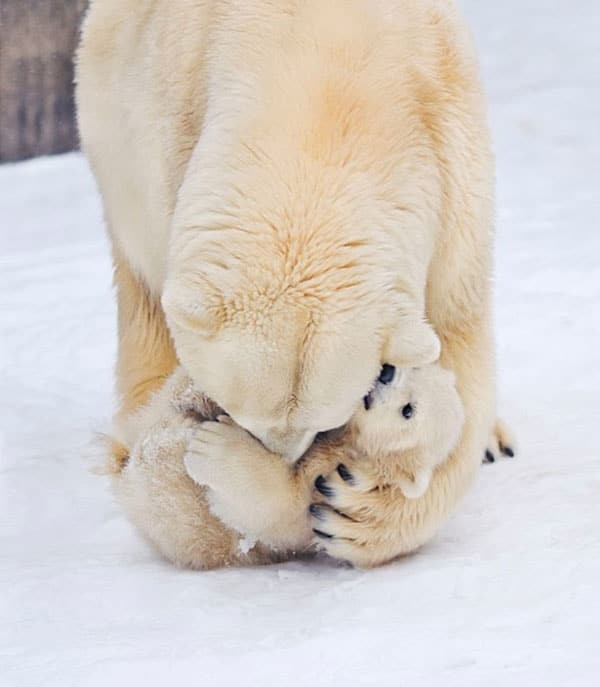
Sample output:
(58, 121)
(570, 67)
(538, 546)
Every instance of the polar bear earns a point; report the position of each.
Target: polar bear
(409, 424)
(286, 187)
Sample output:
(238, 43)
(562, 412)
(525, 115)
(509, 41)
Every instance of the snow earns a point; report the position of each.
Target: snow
(508, 591)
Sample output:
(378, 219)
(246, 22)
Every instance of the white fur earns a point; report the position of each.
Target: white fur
(408, 450)
(296, 183)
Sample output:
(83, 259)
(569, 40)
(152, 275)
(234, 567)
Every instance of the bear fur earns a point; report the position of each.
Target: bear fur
(287, 187)
(409, 426)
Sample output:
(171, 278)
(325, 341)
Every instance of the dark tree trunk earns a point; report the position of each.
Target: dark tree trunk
(37, 42)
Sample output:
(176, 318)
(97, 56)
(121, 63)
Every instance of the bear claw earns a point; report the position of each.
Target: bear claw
(323, 535)
(345, 474)
(322, 488)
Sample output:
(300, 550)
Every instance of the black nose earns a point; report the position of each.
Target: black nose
(387, 374)
(407, 411)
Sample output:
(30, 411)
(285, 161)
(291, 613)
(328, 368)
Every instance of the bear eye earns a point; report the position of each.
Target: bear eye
(408, 411)
(387, 374)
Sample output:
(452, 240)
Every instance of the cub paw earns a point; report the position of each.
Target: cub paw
(212, 449)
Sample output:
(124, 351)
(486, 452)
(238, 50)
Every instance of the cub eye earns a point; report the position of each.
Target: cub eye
(387, 374)
(407, 411)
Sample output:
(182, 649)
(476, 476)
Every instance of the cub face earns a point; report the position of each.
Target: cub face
(411, 409)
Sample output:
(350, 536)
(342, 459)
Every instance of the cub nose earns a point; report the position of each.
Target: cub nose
(387, 374)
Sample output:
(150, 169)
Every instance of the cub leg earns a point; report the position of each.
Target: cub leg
(253, 490)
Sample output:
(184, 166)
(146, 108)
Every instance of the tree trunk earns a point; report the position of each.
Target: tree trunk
(37, 42)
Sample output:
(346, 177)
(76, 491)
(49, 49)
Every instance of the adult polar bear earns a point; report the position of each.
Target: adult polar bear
(293, 182)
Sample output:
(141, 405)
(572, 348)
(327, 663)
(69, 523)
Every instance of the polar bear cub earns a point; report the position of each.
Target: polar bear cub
(410, 422)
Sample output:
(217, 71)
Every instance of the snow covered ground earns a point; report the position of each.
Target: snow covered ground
(507, 594)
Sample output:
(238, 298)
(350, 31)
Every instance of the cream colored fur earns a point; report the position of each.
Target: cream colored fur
(153, 487)
(295, 182)
(408, 449)
(396, 452)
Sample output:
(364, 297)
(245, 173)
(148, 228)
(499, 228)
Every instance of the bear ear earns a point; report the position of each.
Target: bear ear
(191, 306)
(413, 343)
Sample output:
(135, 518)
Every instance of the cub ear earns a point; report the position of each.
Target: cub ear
(191, 306)
(413, 343)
